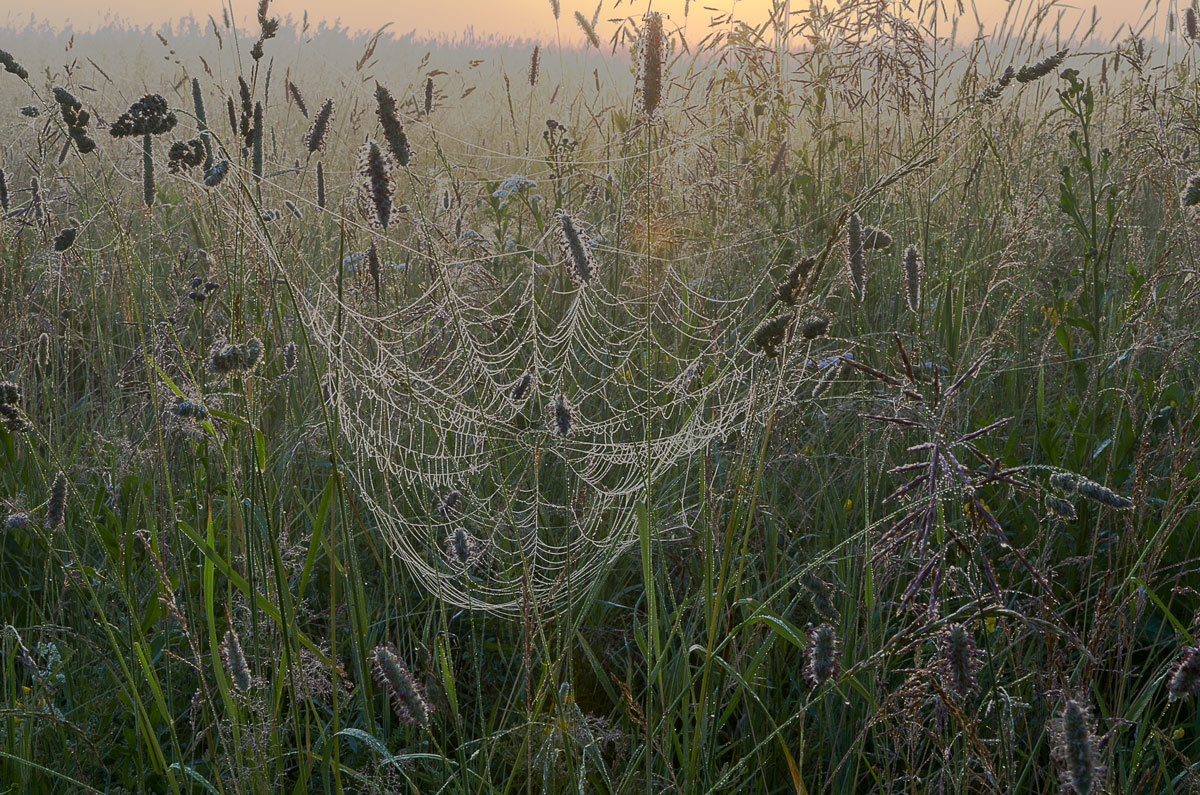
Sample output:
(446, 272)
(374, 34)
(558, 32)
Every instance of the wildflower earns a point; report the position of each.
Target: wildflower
(150, 115)
(404, 692)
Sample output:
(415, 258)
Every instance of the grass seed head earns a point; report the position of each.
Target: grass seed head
(1075, 749)
(856, 261)
(823, 656)
(403, 691)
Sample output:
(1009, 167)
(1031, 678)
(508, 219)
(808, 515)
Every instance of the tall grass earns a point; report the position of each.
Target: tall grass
(942, 536)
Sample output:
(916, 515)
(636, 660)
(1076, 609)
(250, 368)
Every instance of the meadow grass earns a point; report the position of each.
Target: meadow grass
(805, 408)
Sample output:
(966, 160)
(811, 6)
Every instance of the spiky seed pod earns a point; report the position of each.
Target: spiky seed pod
(1184, 679)
(320, 186)
(190, 410)
(993, 92)
(820, 595)
(1075, 749)
(1102, 494)
(235, 662)
(244, 128)
(460, 548)
(202, 122)
(1066, 481)
(535, 64)
(256, 136)
(822, 658)
(373, 267)
(856, 260)
(520, 390)
(649, 82)
(959, 658)
(10, 393)
(35, 197)
(574, 249)
(214, 175)
(375, 192)
(914, 274)
(314, 139)
(3, 191)
(389, 120)
(65, 239)
(17, 521)
(875, 239)
(449, 503)
(12, 67)
(1190, 27)
(56, 504)
(233, 116)
(587, 29)
(814, 326)
(1190, 196)
(1061, 508)
(298, 98)
(150, 115)
(772, 332)
(428, 95)
(562, 419)
(788, 290)
(404, 692)
(1027, 74)
(289, 357)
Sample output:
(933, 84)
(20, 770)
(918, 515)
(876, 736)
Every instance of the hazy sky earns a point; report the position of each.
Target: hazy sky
(531, 18)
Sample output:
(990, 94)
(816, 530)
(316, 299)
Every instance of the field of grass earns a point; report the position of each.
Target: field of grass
(806, 408)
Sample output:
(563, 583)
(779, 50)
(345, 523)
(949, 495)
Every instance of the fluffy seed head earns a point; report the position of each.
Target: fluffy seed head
(404, 692)
(393, 130)
(823, 656)
(562, 417)
(235, 662)
(314, 139)
(772, 332)
(56, 504)
(574, 249)
(375, 191)
(1184, 679)
(856, 261)
(959, 658)
(1075, 750)
(914, 274)
(535, 64)
(520, 390)
(1190, 196)
(1190, 27)
(298, 98)
(649, 87)
(428, 95)
(289, 357)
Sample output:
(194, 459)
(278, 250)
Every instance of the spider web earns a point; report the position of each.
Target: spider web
(655, 373)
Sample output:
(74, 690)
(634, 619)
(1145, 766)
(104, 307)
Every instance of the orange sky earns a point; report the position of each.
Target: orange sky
(530, 18)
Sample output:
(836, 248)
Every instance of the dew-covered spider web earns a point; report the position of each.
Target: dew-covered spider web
(450, 403)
